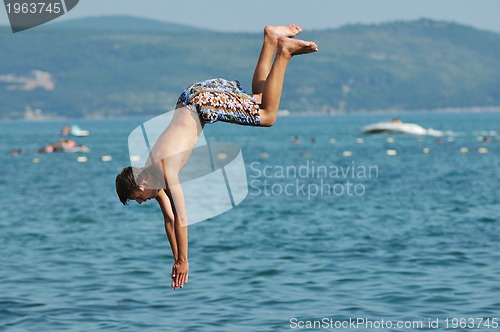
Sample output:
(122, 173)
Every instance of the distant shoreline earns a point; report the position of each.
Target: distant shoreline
(451, 110)
(475, 109)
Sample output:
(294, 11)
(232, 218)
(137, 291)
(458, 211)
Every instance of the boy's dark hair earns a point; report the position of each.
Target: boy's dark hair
(126, 184)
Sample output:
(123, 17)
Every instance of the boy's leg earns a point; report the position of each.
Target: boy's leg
(271, 94)
(264, 64)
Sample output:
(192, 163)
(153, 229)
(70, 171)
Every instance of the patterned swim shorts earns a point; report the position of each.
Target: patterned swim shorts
(221, 100)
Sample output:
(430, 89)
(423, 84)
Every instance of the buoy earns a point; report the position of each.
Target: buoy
(426, 150)
(390, 140)
(221, 156)
(264, 155)
(36, 160)
(332, 141)
(391, 152)
(360, 140)
(347, 153)
(464, 149)
(106, 158)
(81, 159)
(482, 150)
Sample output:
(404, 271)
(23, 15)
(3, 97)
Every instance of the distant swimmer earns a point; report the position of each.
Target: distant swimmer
(204, 103)
(15, 152)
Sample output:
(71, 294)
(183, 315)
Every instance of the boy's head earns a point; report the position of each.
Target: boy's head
(137, 184)
(127, 184)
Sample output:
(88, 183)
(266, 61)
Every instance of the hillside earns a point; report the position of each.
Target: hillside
(120, 23)
(124, 66)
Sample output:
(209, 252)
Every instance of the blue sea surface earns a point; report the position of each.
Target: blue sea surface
(334, 228)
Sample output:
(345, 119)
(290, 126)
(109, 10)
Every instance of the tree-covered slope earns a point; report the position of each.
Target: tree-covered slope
(121, 65)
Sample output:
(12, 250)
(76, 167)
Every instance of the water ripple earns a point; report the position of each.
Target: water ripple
(422, 242)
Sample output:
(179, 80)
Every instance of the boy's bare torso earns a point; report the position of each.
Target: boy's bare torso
(174, 146)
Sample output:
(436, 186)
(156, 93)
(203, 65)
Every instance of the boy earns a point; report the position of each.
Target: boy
(201, 103)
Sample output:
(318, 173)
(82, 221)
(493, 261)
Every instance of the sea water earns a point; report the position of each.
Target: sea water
(338, 228)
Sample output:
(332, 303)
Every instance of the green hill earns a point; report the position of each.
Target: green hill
(121, 23)
(112, 66)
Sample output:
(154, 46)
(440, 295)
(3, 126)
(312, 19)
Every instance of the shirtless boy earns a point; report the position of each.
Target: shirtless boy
(202, 103)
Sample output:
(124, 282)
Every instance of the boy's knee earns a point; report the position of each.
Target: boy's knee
(266, 120)
(268, 123)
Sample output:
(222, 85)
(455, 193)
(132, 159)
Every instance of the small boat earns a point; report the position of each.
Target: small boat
(395, 126)
(74, 130)
(77, 131)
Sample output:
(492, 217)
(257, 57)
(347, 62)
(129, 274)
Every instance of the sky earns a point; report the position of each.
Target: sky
(251, 16)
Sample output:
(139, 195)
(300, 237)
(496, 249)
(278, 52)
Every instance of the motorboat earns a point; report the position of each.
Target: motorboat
(396, 126)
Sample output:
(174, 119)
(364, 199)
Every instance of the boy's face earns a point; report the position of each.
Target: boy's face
(145, 194)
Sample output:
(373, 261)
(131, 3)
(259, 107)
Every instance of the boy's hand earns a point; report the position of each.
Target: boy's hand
(180, 274)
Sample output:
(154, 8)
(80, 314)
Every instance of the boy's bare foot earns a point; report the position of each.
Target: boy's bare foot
(273, 33)
(290, 47)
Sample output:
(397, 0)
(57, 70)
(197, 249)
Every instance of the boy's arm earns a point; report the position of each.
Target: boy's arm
(181, 265)
(168, 217)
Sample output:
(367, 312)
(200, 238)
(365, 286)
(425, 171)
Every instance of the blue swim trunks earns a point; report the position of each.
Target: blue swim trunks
(221, 100)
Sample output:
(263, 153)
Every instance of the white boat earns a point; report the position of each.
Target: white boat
(76, 131)
(398, 127)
